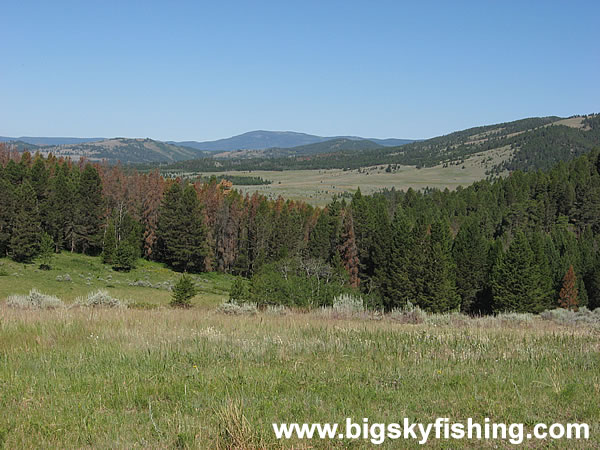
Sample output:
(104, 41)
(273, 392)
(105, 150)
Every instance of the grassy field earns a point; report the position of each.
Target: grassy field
(197, 378)
(75, 275)
(319, 186)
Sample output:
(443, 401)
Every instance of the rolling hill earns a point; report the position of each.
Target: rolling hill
(124, 150)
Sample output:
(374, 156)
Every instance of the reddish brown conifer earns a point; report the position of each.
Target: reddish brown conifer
(348, 250)
(567, 298)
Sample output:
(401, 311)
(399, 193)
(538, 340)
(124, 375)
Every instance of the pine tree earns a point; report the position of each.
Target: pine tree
(439, 289)
(125, 256)
(7, 213)
(46, 251)
(515, 280)
(321, 239)
(88, 212)
(373, 271)
(393, 275)
(470, 252)
(61, 208)
(347, 249)
(592, 284)
(181, 229)
(541, 247)
(26, 227)
(485, 300)
(183, 292)
(567, 297)
(110, 243)
(364, 231)
(39, 178)
(15, 173)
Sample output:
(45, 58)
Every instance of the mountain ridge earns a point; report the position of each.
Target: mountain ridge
(264, 139)
(523, 144)
(259, 143)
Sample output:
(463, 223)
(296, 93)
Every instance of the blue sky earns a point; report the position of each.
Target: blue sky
(200, 70)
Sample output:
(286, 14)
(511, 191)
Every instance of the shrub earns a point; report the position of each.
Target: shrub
(453, 318)
(65, 277)
(235, 309)
(348, 304)
(515, 318)
(409, 313)
(183, 292)
(34, 300)
(570, 317)
(239, 292)
(295, 282)
(100, 299)
(276, 310)
(166, 285)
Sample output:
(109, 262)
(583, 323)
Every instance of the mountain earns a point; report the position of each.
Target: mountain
(261, 140)
(124, 150)
(255, 140)
(525, 144)
(50, 140)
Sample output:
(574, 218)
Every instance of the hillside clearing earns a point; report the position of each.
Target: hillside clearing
(76, 275)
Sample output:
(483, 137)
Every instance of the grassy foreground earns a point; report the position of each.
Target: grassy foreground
(197, 378)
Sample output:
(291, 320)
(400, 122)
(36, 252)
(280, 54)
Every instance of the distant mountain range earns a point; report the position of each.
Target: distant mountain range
(525, 144)
(247, 145)
(261, 140)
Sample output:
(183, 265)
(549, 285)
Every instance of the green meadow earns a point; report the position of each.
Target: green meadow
(75, 275)
(157, 377)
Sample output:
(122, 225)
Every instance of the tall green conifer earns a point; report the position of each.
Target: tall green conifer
(26, 227)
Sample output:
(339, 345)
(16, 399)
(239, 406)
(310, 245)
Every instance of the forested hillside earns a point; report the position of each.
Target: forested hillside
(505, 245)
(530, 144)
(332, 145)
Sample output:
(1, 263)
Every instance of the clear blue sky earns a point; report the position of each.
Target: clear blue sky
(198, 70)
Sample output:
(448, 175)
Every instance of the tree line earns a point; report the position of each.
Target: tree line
(503, 245)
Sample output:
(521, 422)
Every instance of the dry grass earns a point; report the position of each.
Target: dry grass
(319, 186)
(573, 122)
(201, 379)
